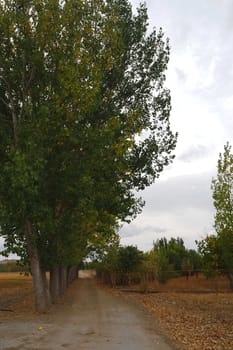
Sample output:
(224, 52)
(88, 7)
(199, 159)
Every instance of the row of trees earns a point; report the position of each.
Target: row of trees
(172, 258)
(168, 258)
(84, 122)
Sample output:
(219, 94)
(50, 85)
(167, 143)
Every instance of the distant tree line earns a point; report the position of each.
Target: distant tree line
(12, 266)
(168, 258)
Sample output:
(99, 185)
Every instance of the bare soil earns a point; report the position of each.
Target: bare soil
(89, 317)
(196, 313)
(97, 317)
(193, 321)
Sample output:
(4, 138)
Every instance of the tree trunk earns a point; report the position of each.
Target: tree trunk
(46, 288)
(72, 274)
(54, 283)
(230, 277)
(63, 280)
(69, 276)
(41, 295)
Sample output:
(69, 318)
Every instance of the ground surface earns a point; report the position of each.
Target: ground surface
(191, 320)
(194, 321)
(196, 313)
(88, 318)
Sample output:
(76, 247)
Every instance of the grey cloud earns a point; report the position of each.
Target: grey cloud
(193, 153)
(179, 194)
(202, 26)
(180, 206)
(181, 75)
(133, 230)
(201, 30)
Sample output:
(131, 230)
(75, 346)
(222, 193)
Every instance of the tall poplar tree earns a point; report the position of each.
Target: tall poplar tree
(222, 188)
(217, 250)
(84, 123)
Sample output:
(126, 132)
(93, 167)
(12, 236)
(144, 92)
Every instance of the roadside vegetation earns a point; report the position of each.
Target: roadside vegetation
(169, 266)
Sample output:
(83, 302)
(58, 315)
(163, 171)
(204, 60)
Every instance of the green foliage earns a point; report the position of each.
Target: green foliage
(85, 116)
(217, 250)
(162, 267)
(173, 249)
(222, 188)
(170, 258)
(130, 259)
(110, 260)
(122, 259)
(193, 260)
(124, 264)
(211, 255)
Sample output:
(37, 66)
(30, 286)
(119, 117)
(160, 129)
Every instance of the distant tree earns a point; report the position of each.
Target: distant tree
(210, 252)
(163, 269)
(217, 250)
(171, 258)
(119, 258)
(173, 249)
(130, 259)
(222, 188)
(195, 259)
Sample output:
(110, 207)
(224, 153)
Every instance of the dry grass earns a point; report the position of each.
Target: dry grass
(16, 294)
(14, 279)
(193, 321)
(189, 313)
(194, 284)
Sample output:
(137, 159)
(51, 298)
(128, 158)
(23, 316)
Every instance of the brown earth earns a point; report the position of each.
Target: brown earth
(89, 317)
(16, 295)
(196, 313)
(193, 321)
(190, 320)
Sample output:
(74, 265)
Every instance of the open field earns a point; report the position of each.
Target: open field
(192, 320)
(196, 313)
(14, 279)
(195, 284)
(16, 294)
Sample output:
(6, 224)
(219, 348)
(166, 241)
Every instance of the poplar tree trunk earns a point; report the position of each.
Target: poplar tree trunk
(230, 278)
(54, 283)
(72, 274)
(63, 280)
(46, 288)
(42, 299)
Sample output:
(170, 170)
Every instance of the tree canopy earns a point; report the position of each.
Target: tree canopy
(84, 122)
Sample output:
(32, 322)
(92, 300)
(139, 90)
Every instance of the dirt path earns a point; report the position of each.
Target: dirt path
(93, 319)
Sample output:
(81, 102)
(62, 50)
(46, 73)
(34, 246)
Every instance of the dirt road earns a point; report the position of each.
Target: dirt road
(93, 319)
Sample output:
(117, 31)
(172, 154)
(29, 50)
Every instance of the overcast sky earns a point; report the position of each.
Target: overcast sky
(200, 77)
